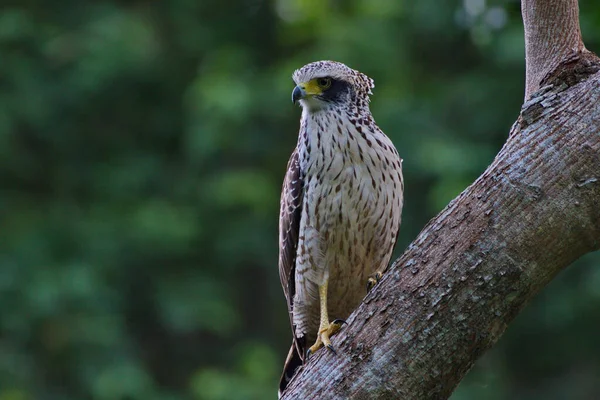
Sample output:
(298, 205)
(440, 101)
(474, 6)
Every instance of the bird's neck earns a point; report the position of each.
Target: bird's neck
(327, 132)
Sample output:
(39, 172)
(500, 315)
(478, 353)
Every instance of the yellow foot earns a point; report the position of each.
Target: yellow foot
(372, 281)
(325, 332)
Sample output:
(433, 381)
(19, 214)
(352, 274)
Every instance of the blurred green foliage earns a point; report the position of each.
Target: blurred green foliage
(142, 149)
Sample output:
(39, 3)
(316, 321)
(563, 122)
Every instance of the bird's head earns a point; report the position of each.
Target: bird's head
(325, 84)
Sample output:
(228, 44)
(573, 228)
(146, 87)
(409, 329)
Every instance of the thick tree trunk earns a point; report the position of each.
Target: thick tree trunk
(534, 211)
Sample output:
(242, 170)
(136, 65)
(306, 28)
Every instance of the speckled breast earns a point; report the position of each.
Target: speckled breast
(351, 214)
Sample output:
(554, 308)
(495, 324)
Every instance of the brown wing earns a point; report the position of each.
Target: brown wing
(289, 225)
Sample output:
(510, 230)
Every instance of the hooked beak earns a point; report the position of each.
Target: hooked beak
(297, 94)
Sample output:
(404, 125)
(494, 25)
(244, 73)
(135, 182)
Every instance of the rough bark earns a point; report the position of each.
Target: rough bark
(533, 212)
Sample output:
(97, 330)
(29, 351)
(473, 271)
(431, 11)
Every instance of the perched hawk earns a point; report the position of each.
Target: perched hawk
(340, 206)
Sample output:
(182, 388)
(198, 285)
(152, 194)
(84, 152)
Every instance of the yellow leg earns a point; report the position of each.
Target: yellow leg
(326, 329)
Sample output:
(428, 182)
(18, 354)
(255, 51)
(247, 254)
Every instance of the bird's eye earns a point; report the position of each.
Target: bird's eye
(324, 83)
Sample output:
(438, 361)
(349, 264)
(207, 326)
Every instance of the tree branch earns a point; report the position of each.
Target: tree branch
(534, 211)
(552, 35)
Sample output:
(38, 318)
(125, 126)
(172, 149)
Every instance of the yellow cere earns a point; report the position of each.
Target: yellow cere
(311, 87)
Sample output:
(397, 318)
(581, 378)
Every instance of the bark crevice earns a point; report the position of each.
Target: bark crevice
(576, 68)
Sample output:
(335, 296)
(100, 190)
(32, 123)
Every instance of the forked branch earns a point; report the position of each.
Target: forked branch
(552, 35)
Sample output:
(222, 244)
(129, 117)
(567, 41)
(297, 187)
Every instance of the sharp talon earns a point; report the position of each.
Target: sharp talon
(308, 354)
(339, 322)
(370, 284)
(373, 280)
(330, 347)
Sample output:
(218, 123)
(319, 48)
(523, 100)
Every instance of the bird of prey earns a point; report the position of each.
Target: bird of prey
(340, 206)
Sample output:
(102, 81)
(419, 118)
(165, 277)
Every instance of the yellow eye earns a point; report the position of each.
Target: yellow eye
(324, 83)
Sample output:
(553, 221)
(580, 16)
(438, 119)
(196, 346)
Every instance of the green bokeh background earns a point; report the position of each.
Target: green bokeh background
(142, 149)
